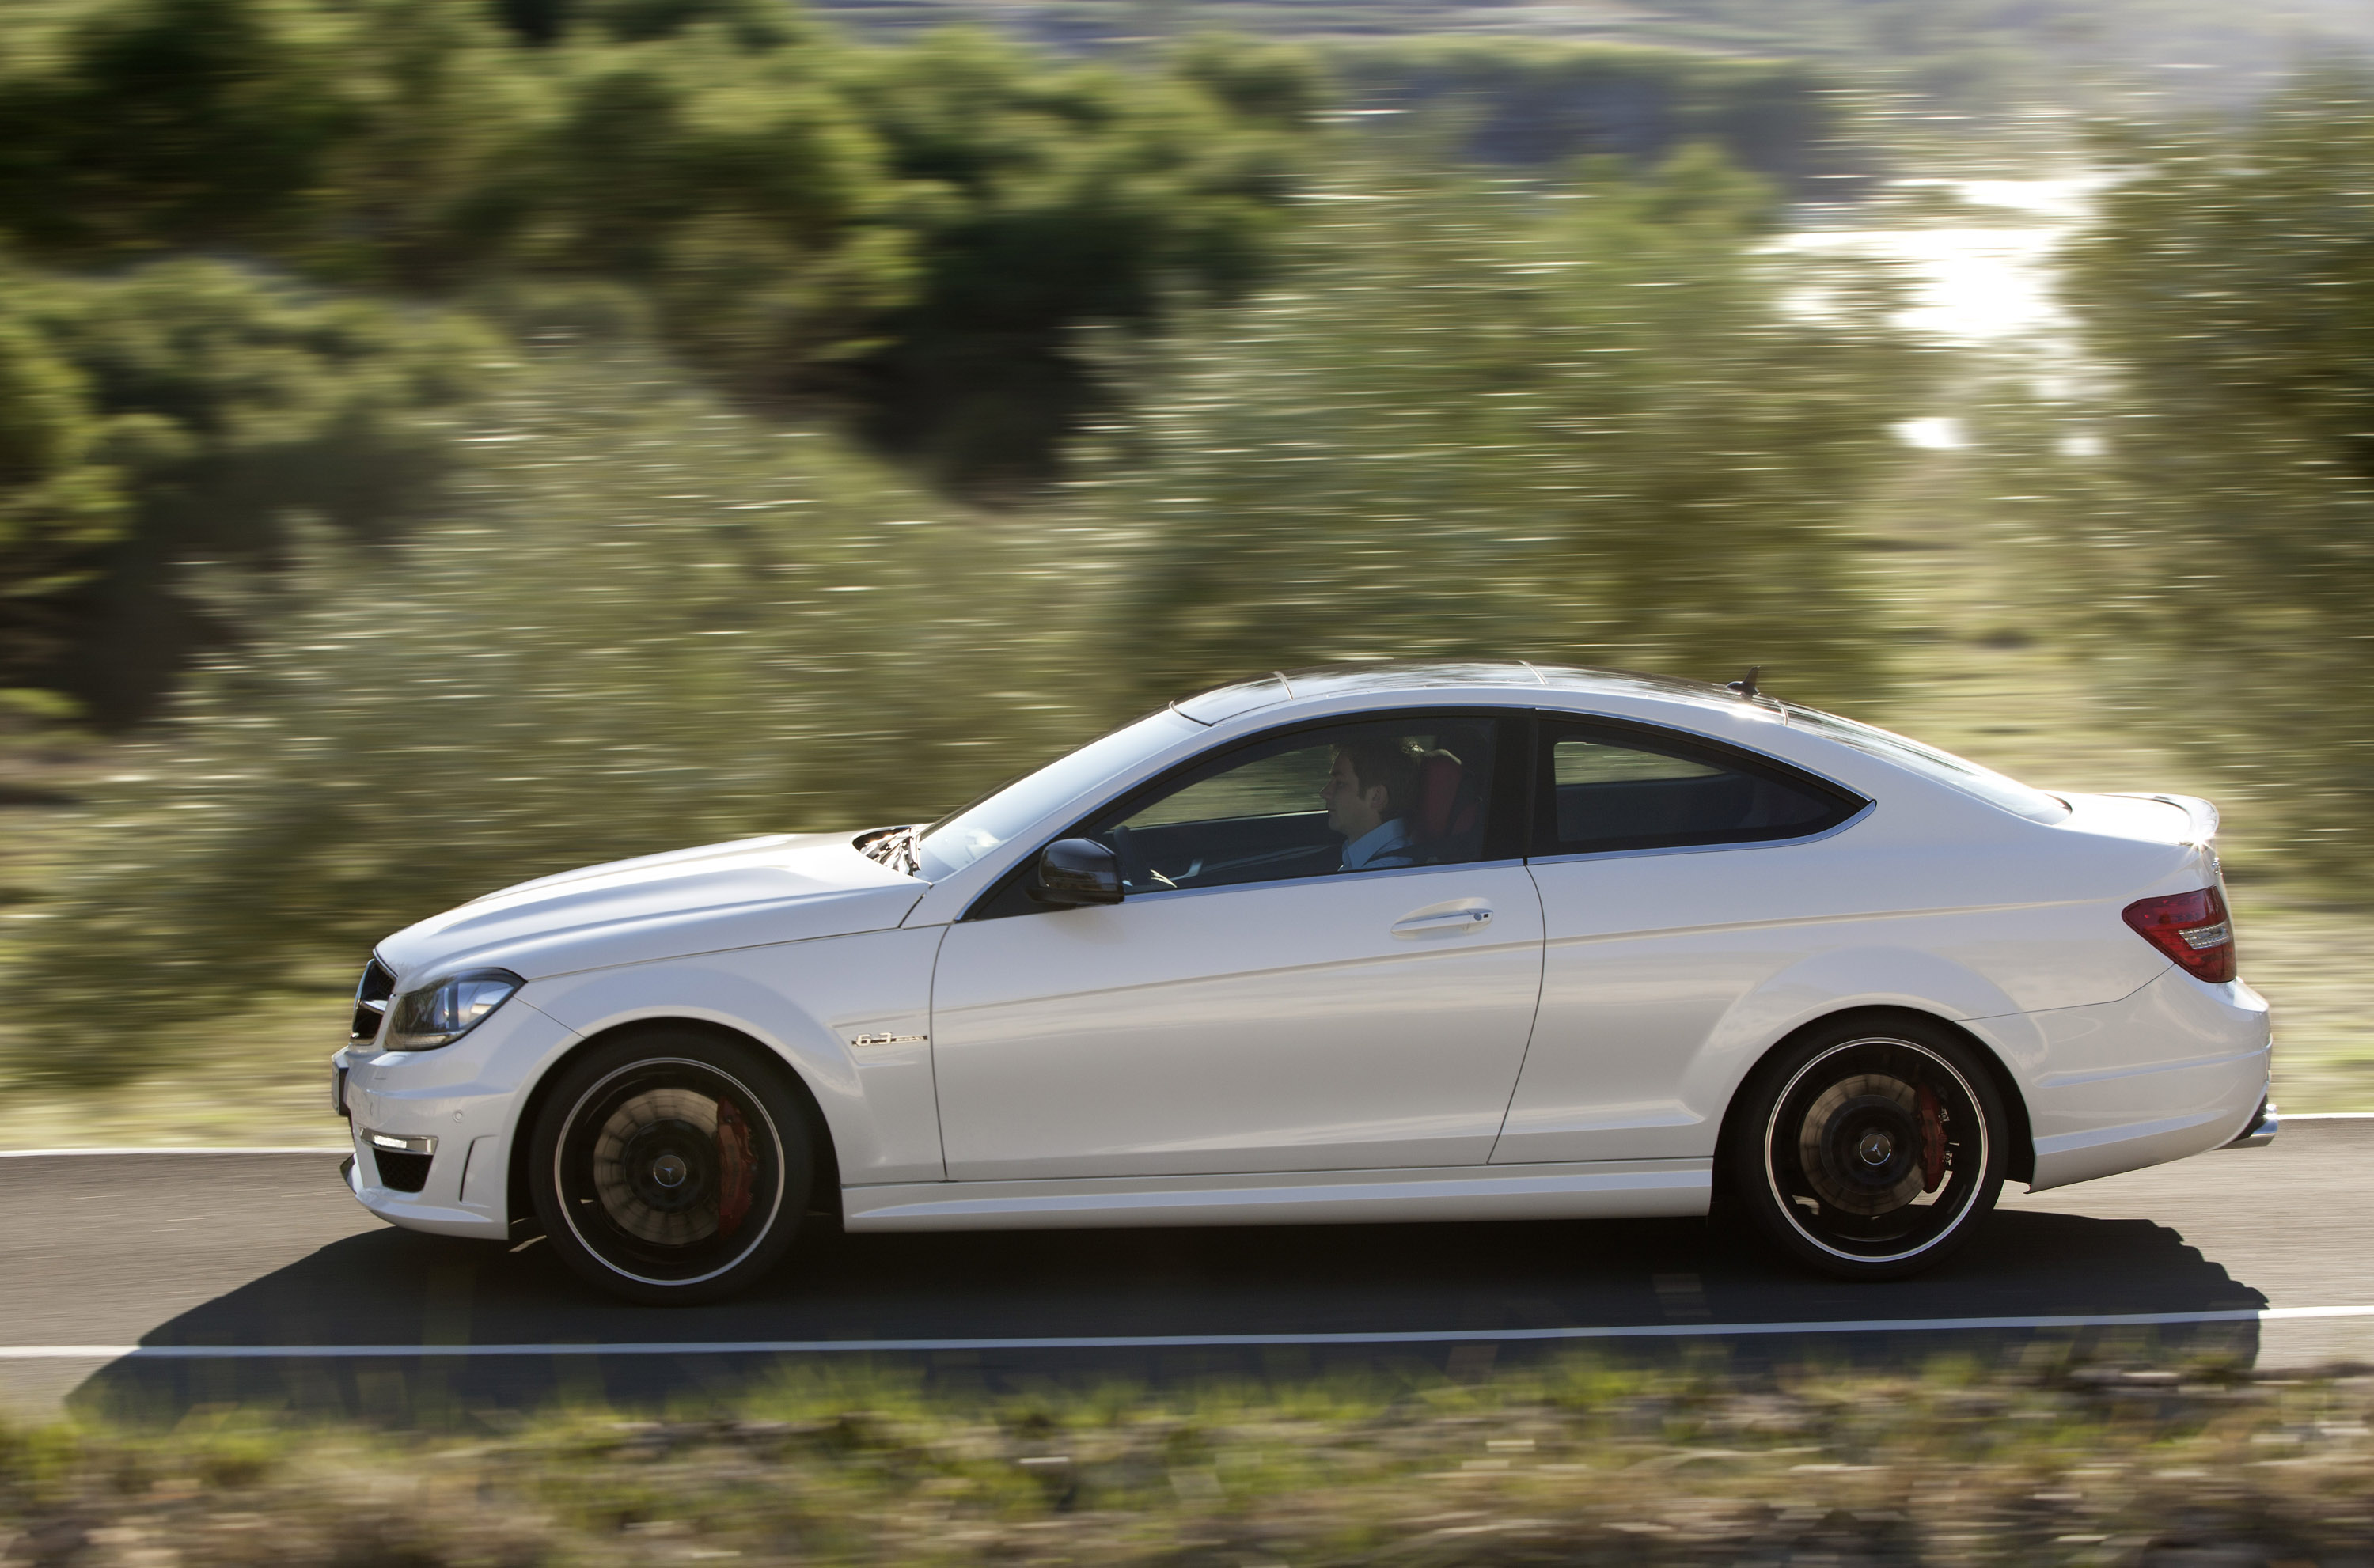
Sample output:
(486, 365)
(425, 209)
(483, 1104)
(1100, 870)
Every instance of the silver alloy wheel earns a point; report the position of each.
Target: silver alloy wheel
(1876, 1150)
(671, 1171)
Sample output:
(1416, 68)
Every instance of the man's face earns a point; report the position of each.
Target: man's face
(1351, 811)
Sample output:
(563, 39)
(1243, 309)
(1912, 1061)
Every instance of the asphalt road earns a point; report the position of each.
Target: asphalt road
(268, 1251)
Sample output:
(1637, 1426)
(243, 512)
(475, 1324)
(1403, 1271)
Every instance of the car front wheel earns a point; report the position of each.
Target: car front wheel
(671, 1168)
(1871, 1153)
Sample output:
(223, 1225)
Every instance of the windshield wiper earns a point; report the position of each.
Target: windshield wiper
(893, 847)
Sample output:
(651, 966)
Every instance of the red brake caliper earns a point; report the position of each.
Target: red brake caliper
(1933, 1139)
(736, 1170)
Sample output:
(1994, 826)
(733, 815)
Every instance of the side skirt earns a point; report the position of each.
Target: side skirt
(1596, 1189)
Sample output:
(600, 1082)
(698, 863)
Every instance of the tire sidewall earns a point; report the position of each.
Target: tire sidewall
(766, 1081)
(1751, 1185)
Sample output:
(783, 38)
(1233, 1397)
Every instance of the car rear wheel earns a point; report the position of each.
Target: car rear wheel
(1871, 1153)
(671, 1166)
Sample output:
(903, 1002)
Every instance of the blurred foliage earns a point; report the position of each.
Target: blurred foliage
(2076, 1460)
(1044, 201)
(2229, 285)
(189, 409)
(644, 622)
(1549, 103)
(1541, 104)
(908, 240)
(1978, 60)
(1465, 421)
(58, 503)
(911, 231)
(1581, 428)
(498, 361)
(951, 248)
(1995, 60)
(1990, 61)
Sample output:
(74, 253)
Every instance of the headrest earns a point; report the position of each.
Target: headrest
(1439, 774)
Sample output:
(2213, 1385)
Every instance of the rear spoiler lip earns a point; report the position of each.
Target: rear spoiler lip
(2201, 813)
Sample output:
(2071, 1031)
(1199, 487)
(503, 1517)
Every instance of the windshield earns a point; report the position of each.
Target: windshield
(1943, 767)
(956, 841)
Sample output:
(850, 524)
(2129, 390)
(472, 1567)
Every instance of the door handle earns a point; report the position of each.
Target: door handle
(1448, 922)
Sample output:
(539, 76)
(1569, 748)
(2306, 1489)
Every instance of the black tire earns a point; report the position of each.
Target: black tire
(1870, 1149)
(671, 1166)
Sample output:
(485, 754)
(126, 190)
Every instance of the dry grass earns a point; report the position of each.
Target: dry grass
(255, 1082)
(1579, 1464)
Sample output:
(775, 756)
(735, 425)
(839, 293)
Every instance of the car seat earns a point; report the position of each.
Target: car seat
(1449, 818)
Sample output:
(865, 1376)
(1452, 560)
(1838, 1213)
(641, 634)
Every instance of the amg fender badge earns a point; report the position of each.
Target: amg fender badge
(890, 1039)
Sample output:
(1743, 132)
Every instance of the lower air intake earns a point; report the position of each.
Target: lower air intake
(402, 1173)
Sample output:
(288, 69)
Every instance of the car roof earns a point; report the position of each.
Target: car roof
(1522, 681)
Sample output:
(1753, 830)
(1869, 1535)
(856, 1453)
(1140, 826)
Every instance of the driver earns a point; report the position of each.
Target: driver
(1371, 786)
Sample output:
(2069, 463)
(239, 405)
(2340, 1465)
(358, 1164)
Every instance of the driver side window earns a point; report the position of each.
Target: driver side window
(1344, 798)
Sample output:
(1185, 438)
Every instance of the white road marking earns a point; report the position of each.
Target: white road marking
(1181, 1341)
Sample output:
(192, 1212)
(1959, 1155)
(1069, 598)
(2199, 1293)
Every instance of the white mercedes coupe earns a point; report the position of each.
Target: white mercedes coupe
(1443, 941)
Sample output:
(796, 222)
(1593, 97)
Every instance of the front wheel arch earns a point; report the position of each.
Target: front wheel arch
(824, 1183)
(2021, 1165)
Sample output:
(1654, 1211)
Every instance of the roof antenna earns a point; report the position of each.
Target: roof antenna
(1746, 687)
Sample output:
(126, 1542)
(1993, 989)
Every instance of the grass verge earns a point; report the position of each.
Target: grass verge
(1578, 1462)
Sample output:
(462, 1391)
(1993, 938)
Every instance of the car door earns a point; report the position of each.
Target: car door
(1251, 1004)
(1673, 874)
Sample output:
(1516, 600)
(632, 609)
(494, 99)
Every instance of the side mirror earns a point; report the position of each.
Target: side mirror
(1073, 872)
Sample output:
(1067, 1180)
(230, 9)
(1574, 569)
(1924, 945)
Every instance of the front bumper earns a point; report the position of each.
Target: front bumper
(433, 1130)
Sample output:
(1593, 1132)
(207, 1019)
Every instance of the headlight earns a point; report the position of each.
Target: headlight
(445, 1009)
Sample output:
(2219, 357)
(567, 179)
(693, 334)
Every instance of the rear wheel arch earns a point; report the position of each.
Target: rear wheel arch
(2021, 1153)
(825, 1173)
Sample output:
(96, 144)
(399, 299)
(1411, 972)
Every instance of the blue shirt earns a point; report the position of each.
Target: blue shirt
(1387, 844)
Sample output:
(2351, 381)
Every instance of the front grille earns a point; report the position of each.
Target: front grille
(402, 1173)
(378, 984)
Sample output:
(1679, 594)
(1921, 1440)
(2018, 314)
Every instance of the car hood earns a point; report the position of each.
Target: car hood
(787, 888)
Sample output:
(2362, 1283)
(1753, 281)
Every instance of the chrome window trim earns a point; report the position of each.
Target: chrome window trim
(1380, 874)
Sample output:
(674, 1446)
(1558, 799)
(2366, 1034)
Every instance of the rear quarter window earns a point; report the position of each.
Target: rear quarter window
(1605, 788)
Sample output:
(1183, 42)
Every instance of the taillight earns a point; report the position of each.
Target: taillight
(2191, 927)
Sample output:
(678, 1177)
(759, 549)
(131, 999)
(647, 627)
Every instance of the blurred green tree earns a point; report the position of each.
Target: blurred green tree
(1043, 202)
(1582, 427)
(913, 235)
(759, 630)
(1467, 421)
(1536, 103)
(60, 502)
(2229, 287)
(189, 410)
(910, 239)
(158, 123)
